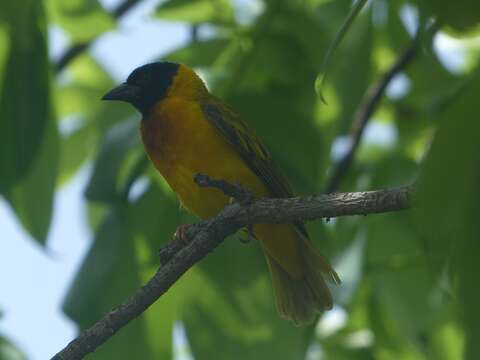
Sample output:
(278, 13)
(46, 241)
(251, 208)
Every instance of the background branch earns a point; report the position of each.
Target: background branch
(206, 235)
(364, 112)
(76, 49)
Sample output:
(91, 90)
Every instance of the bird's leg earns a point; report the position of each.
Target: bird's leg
(181, 234)
(235, 193)
(180, 239)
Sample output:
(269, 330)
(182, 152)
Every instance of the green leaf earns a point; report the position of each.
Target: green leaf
(235, 315)
(461, 17)
(392, 171)
(280, 49)
(200, 53)
(82, 19)
(447, 202)
(28, 133)
(155, 217)
(432, 84)
(352, 78)
(32, 197)
(196, 11)
(285, 49)
(448, 340)
(122, 258)
(9, 351)
(85, 117)
(4, 48)
(289, 106)
(395, 257)
(25, 100)
(109, 274)
(76, 147)
(336, 42)
(104, 182)
(80, 95)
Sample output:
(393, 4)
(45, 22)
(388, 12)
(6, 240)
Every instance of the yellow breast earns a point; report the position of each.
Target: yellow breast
(181, 142)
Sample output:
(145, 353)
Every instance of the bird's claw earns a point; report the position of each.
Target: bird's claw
(181, 234)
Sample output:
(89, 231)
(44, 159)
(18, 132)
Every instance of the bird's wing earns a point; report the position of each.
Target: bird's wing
(249, 147)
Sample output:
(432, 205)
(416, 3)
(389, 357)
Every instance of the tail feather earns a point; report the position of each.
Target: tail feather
(299, 299)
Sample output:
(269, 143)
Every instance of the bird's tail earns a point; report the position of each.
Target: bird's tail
(299, 299)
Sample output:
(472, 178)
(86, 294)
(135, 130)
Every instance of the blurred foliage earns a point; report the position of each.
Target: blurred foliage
(8, 351)
(82, 19)
(409, 278)
(28, 134)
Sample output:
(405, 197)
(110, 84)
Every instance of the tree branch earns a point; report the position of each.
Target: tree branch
(77, 49)
(206, 235)
(364, 112)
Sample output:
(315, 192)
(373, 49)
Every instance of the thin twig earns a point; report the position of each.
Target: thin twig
(77, 49)
(207, 235)
(357, 7)
(364, 112)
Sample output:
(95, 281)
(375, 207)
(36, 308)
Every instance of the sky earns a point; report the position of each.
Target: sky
(29, 272)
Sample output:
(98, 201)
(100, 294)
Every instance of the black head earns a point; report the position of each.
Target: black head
(145, 86)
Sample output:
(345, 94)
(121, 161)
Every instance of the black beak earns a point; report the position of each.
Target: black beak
(123, 92)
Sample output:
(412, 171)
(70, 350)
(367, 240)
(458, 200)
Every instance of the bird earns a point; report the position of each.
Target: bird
(186, 131)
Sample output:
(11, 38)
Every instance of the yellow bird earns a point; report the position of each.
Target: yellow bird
(186, 130)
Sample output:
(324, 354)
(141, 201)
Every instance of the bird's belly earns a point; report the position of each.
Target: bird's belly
(207, 202)
(181, 143)
(187, 144)
(217, 159)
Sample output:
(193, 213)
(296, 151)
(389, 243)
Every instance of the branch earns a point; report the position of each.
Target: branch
(207, 235)
(77, 49)
(365, 110)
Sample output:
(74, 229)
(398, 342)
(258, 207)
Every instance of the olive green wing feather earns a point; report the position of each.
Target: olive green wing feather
(249, 147)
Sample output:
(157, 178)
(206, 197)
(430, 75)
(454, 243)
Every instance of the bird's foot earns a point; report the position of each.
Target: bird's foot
(180, 239)
(181, 234)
